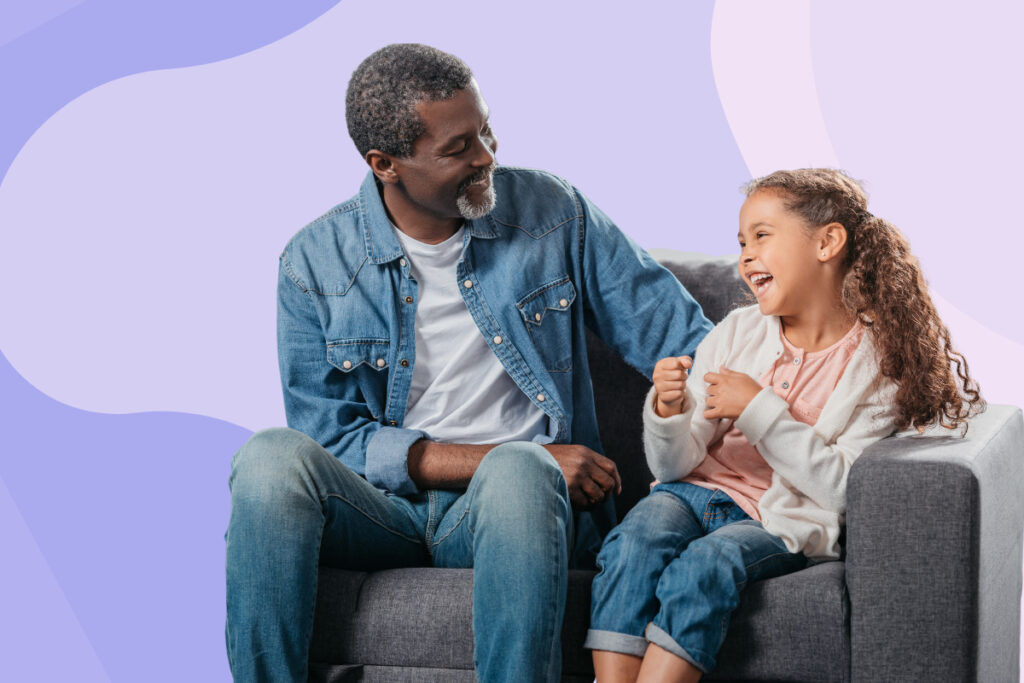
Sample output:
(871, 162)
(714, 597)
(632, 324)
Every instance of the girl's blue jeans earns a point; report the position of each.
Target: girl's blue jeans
(294, 505)
(671, 573)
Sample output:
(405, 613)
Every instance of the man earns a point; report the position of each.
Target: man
(435, 315)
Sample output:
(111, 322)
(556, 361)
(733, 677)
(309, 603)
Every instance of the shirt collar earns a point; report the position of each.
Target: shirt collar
(381, 244)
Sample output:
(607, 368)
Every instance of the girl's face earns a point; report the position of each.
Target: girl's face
(778, 256)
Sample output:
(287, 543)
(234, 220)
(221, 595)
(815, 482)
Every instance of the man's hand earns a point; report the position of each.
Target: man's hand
(669, 384)
(589, 475)
(729, 393)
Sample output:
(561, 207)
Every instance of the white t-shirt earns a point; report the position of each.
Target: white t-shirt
(460, 392)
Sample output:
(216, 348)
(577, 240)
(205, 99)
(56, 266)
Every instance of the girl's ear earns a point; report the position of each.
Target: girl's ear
(831, 241)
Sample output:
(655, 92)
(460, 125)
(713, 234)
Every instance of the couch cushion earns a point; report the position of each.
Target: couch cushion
(792, 628)
(409, 619)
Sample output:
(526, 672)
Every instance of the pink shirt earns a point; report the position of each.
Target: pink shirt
(805, 381)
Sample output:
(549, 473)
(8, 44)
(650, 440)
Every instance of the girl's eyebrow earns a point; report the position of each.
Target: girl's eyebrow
(755, 226)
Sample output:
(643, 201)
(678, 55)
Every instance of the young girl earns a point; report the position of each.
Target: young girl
(753, 450)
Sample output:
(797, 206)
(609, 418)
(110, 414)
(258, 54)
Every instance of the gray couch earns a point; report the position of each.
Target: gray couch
(929, 588)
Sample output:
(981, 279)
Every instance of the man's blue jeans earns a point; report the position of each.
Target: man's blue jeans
(671, 573)
(294, 505)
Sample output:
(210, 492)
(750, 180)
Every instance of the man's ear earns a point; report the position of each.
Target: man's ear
(382, 165)
(831, 241)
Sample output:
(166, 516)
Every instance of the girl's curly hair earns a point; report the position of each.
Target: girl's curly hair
(885, 288)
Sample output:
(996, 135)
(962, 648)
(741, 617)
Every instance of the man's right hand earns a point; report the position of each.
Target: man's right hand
(589, 475)
(670, 384)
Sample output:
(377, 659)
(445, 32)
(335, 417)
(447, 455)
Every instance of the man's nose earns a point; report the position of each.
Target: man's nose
(485, 152)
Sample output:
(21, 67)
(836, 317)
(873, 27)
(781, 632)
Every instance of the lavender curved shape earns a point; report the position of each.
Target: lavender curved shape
(774, 112)
(129, 513)
(57, 49)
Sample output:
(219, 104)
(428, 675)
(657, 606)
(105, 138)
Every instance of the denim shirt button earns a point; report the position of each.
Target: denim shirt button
(497, 339)
(540, 397)
(467, 284)
(402, 262)
(405, 363)
(563, 303)
(536, 316)
(408, 299)
(381, 363)
(393, 423)
(347, 365)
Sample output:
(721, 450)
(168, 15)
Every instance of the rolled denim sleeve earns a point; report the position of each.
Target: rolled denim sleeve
(387, 459)
(634, 304)
(321, 402)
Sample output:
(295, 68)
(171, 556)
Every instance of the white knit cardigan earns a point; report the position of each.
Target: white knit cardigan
(806, 501)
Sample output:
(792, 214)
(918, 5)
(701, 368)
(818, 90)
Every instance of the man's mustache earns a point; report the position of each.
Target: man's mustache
(478, 176)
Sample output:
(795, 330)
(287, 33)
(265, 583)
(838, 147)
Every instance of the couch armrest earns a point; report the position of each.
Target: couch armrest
(933, 556)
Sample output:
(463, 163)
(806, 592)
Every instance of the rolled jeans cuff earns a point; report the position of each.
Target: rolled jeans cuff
(663, 640)
(615, 642)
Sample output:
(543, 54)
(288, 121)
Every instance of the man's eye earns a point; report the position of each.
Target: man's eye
(458, 151)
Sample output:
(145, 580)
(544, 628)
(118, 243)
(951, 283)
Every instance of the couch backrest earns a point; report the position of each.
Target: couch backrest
(619, 390)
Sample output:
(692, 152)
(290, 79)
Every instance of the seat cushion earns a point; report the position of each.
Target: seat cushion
(412, 623)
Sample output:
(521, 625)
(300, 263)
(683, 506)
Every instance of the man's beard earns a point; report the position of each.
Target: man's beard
(485, 204)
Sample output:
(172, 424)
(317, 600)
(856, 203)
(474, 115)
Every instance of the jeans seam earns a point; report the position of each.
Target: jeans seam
(708, 513)
(368, 516)
(428, 531)
(763, 559)
(455, 526)
(556, 642)
(310, 622)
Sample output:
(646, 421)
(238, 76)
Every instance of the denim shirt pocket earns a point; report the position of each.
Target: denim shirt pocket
(546, 312)
(364, 361)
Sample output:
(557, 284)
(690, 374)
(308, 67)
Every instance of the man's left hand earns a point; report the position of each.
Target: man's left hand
(589, 475)
(728, 393)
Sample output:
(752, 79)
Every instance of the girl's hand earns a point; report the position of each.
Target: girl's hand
(669, 384)
(729, 393)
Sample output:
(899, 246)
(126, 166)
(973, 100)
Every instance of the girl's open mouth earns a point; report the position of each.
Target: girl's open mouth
(761, 282)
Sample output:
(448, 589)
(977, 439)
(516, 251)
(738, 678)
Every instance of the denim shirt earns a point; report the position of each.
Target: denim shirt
(536, 270)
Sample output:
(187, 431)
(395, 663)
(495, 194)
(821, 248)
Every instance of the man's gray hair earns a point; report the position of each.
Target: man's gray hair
(380, 105)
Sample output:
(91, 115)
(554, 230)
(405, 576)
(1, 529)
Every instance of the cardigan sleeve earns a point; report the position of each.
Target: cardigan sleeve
(817, 468)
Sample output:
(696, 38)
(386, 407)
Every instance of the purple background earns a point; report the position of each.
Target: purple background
(155, 158)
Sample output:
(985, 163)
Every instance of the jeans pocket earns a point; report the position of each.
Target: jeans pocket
(547, 315)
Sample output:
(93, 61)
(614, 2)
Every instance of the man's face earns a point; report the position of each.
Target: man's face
(450, 171)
